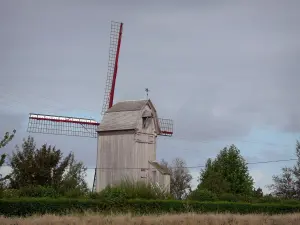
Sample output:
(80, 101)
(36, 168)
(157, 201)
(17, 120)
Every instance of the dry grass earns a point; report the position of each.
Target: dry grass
(208, 219)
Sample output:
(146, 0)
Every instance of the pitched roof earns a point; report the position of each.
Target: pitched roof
(124, 116)
(113, 121)
(134, 105)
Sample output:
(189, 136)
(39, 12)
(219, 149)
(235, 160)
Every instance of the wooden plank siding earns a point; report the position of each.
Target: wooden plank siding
(125, 147)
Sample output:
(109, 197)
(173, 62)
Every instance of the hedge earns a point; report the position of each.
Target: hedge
(31, 206)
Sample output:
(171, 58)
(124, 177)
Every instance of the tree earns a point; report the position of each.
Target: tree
(287, 184)
(213, 180)
(284, 184)
(258, 193)
(45, 166)
(180, 178)
(227, 173)
(296, 170)
(6, 139)
(74, 177)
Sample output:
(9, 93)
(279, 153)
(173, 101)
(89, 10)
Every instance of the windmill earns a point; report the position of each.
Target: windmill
(84, 127)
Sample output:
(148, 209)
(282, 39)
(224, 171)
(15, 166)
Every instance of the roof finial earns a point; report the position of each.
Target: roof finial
(147, 91)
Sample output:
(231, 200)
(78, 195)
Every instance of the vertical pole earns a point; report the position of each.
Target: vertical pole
(94, 182)
(147, 91)
(112, 92)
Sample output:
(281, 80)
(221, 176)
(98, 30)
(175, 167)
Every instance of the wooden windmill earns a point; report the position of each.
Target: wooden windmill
(126, 135)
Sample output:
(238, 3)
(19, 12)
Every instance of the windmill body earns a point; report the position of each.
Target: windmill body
(127, 145)
(126, 136)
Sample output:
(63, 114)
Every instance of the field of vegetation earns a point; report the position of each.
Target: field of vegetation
(191, 219)
(45, 183)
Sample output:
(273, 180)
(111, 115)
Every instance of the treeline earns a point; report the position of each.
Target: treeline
(37, 172)
(45, 172)
(224, 178)
(227, 178)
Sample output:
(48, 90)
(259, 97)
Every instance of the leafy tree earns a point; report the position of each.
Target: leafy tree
(258, 193)
(202, 195)
(228, 173)
(296, 170)
(180, 178)
(74, 176)
(6, 139)
(284, 184)
(45, 166)
(287, 185)
(212, 179)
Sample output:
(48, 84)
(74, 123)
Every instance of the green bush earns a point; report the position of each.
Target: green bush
(245, 198)
(30, 206)
(73, 193)
(38, 191)
(128, 189)
(228, 197)
(10, 193)
(202, 195)
(111, 195)
(290, 202)
(268, 199)
(147, 207)
(59, 206)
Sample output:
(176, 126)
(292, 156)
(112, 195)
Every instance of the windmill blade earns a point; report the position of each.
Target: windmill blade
(114, 51)
(62, 125)
(166, 127)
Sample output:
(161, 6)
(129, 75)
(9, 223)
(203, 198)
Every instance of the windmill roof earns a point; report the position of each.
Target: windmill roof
(124, 116)
(132, 105)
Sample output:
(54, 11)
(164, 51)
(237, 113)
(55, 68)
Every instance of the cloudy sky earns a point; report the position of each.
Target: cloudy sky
(225, 71)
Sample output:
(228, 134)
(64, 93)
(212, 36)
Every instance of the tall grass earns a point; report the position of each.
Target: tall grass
(191, 219)
(142, 190)
(130, 189)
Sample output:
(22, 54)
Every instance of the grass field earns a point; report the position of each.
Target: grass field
(208, 219)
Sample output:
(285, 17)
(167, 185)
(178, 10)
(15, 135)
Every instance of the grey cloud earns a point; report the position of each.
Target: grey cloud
(217, 69)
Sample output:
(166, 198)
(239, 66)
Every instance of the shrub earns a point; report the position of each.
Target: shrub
(74, 193)
(245, 198)
(290, 202)
(129, 189)
(160, 206)
(228, 197)
(202, 195)
(268, 199)
(10, 193)
(27, 207)
(38, 191)
(111, 195)
(142, 190)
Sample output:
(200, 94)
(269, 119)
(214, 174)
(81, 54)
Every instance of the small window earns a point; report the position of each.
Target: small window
(146, 122)
(146, 116)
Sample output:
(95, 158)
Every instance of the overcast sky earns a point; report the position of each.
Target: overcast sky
(227, 72)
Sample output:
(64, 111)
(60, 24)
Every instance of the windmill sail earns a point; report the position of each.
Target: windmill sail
(114, 51)
(62, 125)
(82, 127)
(166, 127)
